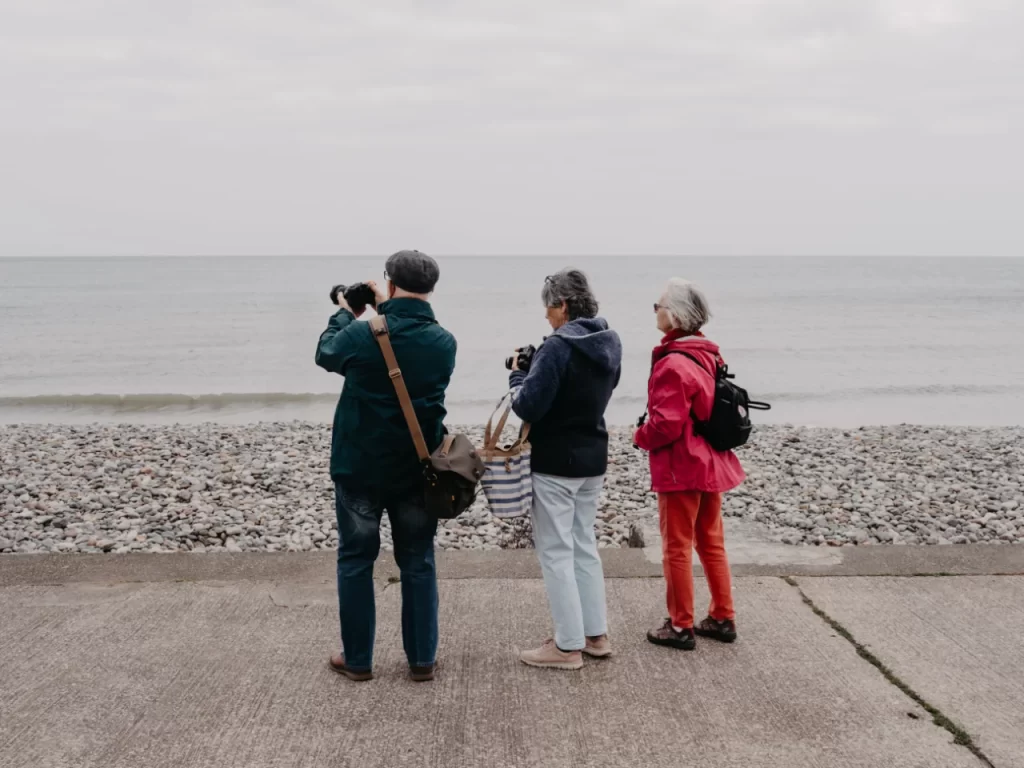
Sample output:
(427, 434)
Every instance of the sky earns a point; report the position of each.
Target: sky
(702, 127)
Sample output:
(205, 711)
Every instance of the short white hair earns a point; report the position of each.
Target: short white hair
(686, 305)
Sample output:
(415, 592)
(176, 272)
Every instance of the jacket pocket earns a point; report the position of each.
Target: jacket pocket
(661, 468)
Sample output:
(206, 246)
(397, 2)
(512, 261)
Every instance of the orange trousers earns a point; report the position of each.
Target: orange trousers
(694, 519)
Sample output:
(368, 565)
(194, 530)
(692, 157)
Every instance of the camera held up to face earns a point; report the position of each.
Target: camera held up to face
(358, 296)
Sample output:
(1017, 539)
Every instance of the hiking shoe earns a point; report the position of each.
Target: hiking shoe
(337, 663)
(723, 631)
(666, 635)
(549, 656)
(422, 674)
(598, 647)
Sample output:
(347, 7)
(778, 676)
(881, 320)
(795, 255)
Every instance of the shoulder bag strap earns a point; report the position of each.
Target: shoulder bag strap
(379, 326)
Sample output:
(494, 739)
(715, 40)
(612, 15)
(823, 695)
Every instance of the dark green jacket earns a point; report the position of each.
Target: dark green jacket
(371, 446)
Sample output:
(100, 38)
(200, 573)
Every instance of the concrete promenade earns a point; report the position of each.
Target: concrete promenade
(886, 657)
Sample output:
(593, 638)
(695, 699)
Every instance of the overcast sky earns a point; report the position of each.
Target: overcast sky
(535, 126)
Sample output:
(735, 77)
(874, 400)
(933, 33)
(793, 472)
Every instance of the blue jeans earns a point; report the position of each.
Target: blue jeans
(564, 514)
(412, 531)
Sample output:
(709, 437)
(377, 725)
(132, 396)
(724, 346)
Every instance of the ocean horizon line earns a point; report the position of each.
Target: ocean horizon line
(442, 255)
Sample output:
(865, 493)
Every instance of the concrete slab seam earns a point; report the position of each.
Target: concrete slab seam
(960, 736)
(915, 575)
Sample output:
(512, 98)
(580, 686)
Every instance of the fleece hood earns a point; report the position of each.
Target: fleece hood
(592, 337)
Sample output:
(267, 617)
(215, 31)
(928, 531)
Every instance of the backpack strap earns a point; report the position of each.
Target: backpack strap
(700, 365)
(694, 358)
(753, 405)
(379, 327)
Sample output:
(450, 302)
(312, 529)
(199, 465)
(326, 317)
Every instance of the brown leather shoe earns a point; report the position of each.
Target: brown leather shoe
(723, 631)
(666, 635)
(337, 663)
(422, 674)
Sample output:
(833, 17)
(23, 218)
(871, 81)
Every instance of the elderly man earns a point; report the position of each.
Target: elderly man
(374, 463)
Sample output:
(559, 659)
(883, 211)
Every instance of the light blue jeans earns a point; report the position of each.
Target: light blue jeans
(564, 512)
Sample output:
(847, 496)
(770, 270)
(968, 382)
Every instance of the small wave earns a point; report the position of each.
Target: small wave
(271, 400)
(155, 402)
(863, 393)
(911, 390)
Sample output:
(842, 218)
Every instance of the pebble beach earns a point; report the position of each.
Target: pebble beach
(265, 487)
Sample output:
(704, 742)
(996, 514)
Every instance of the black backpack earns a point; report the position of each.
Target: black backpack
(729, 426)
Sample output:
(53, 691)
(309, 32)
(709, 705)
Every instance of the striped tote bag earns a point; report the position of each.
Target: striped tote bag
(506, 481)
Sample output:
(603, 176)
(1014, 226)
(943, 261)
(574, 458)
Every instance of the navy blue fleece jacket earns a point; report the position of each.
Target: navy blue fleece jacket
(564, 397)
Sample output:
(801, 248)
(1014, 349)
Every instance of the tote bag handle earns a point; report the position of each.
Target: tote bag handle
(491, 438)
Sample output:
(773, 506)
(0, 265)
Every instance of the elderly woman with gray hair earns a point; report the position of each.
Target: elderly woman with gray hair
(688, 475)
(564, 396)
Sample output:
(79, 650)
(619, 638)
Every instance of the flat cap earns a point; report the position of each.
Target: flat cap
(413, 271)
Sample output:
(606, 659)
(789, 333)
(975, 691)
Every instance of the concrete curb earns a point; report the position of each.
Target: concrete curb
(318, 567)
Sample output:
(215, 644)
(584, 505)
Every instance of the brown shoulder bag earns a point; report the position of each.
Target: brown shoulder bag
(452, 472)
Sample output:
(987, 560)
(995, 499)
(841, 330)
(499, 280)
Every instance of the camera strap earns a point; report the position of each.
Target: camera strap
(379, 327)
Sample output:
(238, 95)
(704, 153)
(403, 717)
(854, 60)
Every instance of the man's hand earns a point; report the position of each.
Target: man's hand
(342, 304)
(515, 360)
(378, 291)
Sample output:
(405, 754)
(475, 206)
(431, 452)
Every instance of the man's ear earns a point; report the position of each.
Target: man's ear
(391, 290)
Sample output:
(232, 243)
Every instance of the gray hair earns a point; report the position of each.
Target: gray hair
(571, 287)
(687, 305)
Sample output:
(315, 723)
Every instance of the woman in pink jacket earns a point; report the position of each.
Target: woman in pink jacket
(688, 475)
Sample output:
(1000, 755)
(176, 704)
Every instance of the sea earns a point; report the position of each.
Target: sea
(837, 342)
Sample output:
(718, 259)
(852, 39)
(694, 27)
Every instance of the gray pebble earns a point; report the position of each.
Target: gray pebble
(266, 487)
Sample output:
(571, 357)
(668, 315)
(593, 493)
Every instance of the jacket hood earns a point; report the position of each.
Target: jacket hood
(703, 349)
(595, 339)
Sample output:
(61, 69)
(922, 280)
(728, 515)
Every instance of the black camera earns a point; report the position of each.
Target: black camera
(357, 295)
(525, 358)
(639, 423)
